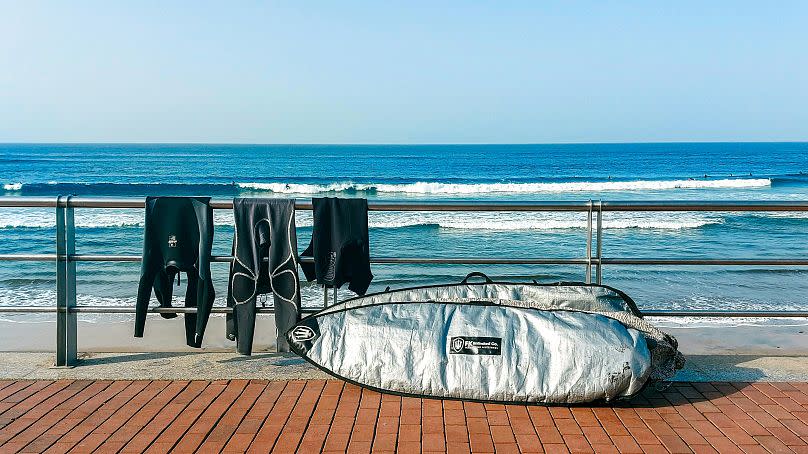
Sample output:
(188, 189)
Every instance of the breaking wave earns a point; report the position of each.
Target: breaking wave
(712, 302)
(537, 221)
(505, 188)
(492, 221)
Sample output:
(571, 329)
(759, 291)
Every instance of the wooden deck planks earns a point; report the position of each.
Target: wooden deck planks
(332, 416)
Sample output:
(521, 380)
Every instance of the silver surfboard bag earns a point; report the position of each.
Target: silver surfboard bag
(501, 342)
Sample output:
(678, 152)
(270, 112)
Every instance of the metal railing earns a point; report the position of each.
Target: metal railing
(66, 257)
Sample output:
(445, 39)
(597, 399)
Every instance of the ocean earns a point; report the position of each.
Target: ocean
(669, 171)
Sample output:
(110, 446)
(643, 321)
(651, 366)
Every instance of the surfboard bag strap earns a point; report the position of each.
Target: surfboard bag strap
(478, 274)
(339, 244)
(178, 238)
(264, 261)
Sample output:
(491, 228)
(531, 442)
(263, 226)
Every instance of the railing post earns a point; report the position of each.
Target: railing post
(599, 251)
(66, 346)
(589, 244)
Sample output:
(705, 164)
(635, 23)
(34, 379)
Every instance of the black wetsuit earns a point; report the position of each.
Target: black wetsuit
(178, 238)
(264, 228)
(339, 244)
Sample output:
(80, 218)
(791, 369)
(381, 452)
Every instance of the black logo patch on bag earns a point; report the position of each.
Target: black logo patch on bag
(303, 336)
(463, 345)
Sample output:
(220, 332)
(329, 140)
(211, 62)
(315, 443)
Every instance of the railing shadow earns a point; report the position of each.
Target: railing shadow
(276, 359)
(130, 357)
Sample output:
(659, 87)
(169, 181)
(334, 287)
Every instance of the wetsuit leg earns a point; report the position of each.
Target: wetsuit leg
(200, 294)
(164, 290)
(283, 272)
(231, 326)
(244, 315)
(205, 293)
(243, 292)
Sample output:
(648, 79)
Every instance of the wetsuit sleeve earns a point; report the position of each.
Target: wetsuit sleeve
(148, 269)
(308, 267)
(204, 293)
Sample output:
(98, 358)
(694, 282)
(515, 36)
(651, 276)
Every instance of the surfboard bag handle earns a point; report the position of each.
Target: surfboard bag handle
(476, 274)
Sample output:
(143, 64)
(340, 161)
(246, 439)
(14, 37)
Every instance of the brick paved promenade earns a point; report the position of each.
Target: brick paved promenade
(327, 415)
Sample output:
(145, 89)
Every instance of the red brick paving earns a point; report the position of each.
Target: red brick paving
(331, 416)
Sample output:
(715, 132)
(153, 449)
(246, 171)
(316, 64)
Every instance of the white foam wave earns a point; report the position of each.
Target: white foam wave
(43, 218)
(538, 221)
(711, 302)
(311, 296)
(12, 186)
(710, 322)
(424, 187)
(783, 215)
(110, 218)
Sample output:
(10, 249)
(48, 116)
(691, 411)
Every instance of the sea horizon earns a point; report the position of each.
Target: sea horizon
(415, 144)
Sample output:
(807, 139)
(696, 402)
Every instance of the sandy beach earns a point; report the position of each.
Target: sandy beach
(107, 350)
(115, 335)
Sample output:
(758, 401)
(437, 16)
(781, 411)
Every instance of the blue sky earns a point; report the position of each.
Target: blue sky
(403, 72)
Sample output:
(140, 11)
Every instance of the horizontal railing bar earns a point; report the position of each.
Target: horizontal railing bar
(701, 313)
(450, 260)
(131, 310)
(720, 205)
(27, 202)
(377, 260)
(269, 310)
(117, 258)
(376, 205)
(27, 309)
(306, 204)
(27, 257)
(477, 261)
(734, 262)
